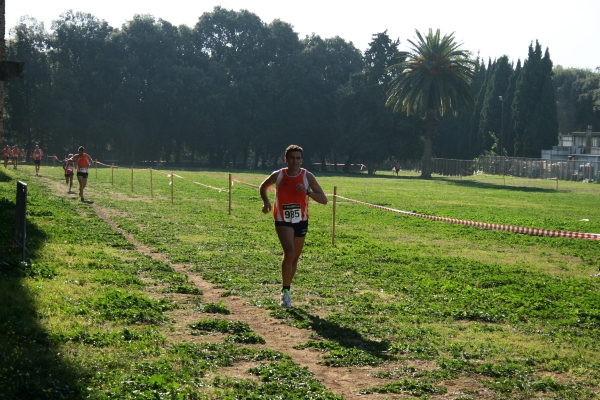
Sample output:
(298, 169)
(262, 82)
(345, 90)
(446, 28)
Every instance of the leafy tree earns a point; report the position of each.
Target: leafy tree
(329, 64)
(237, 41)
(28, 101)
(575, 90)
(435, 78)
(78, 52)
(368, 130)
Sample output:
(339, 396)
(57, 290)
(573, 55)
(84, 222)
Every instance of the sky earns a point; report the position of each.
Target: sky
(569, 30)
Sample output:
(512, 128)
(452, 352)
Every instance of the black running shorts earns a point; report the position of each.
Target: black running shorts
(300, 228)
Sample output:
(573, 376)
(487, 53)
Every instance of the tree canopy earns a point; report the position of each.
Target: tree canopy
(435, 78)
(234, 91)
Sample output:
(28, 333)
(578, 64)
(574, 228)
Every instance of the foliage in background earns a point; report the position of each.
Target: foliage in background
(222, 92)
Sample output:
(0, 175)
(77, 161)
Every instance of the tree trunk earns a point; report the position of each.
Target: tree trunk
(256, 158)
(347, 165)
(427, 149)
(2, 55)
(245, 157)
(178, 151)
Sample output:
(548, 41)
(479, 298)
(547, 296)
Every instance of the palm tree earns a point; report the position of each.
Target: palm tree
(435, 78)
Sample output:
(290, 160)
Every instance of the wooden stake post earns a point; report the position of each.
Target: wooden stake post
(229, 194)
(333, 216)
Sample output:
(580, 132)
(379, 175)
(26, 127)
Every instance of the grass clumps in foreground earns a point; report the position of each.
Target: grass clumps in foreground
(116, 305)
(407, 386)
(88, 317)
(213, 308)
(429, 303)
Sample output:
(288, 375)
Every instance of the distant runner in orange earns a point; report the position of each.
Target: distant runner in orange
(15, 156)
(37, 158)
(82, 162)
(6, 155)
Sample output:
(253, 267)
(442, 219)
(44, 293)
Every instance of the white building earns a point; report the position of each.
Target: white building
(581, 150)
(584, 146)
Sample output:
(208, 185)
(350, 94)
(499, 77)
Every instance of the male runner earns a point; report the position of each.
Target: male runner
(69, 167)
(83, 162)
(6, 155)
(37, 158)
(294, 186)
(15, 158)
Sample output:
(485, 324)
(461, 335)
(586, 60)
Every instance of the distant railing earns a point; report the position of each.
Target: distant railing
(534, 168)
(537, 168)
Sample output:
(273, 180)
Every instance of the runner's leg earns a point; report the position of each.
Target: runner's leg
(81, 186)
(292, 248)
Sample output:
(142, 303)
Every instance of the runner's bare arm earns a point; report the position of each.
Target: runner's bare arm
(270, 181)
(316, 193)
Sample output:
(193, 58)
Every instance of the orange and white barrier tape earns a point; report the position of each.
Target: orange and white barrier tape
(197, 183)
(106, 165)
(484, 225)
(250, 184)
(210, 187)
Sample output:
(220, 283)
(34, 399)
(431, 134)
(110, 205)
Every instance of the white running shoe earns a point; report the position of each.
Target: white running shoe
(286, 299)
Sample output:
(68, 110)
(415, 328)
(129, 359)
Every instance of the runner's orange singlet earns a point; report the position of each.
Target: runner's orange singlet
(37, 154)
(82, 163)
(291, 205)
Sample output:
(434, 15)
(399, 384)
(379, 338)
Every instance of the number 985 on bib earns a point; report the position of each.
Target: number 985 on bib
(291, 213)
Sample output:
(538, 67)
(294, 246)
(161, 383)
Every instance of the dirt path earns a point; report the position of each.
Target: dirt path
(342, 381)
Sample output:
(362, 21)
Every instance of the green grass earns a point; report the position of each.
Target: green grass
(519, 314)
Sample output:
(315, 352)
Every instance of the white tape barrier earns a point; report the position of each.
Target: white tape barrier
(484, 225)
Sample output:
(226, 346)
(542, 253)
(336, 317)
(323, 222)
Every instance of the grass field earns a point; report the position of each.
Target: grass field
(422, 309)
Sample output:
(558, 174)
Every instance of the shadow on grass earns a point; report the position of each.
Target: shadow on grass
(31, 367)
(346, 337)
(487, 185)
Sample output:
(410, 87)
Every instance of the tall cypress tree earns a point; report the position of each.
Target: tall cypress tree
(507, 112)
(482, 78)
(490, 121)
(542, 131)
(534, 106)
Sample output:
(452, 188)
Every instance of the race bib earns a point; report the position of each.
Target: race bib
(69, 168)
(291, 213)
(83, 170)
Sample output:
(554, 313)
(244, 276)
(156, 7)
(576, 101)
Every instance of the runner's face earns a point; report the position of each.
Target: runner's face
(294, 160)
